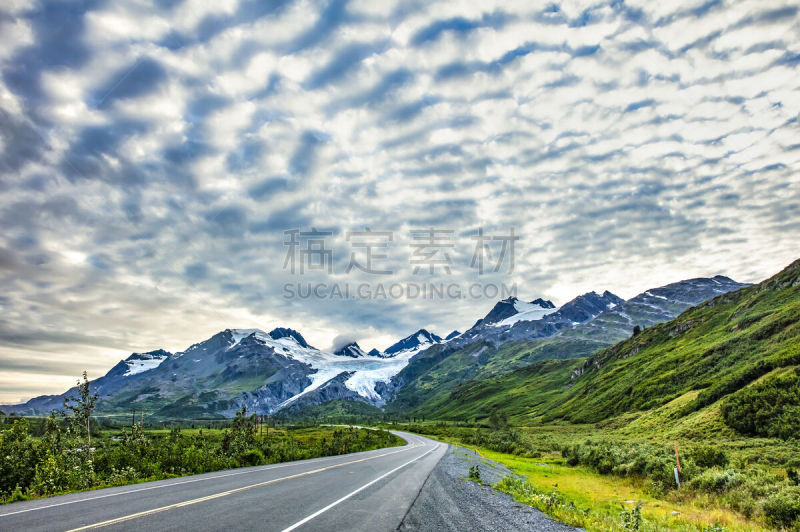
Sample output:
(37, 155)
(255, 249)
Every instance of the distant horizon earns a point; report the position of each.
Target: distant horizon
(55, 389)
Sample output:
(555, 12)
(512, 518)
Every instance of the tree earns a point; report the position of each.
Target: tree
(81, 408)
(52, 435)
(241, 435)
(498, 420)
(636, 330)
(18, 457)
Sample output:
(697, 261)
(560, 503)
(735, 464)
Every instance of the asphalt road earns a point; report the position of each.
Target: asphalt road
(372, 491)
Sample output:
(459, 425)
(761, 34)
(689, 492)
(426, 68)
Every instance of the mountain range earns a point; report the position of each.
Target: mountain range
(280, 371)
(689, 370)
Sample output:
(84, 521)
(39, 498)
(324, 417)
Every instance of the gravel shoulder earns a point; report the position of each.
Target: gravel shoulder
(448, 501)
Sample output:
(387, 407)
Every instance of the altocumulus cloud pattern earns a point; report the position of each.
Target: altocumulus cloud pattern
(153, 156)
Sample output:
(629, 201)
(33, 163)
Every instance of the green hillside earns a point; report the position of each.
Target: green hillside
(516, 394)
(336, 411)
(436, 373)
(709, 353)
(427, 382)
(716, 348)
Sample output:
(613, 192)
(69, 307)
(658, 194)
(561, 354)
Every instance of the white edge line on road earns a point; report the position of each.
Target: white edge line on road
(411, 445)
(365, 486)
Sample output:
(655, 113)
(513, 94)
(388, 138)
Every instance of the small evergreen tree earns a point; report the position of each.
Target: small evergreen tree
(82, 408)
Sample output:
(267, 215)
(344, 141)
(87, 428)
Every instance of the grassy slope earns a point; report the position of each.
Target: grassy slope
(518, 394)
(707, 353)
(667, 385)
(432, 377)
(715, 348)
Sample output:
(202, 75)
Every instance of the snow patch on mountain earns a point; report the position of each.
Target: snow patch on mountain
(412, 342)
(656, 295)
(141, 362)
(352, 350)
(240, 334)
(367, 370)
(532, 311)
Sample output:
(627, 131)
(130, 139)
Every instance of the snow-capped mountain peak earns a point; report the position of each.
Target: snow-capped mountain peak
(237, 335)
(412, 342)
(531, 311)
(141, 362)
(352, 350)
(281, 332)
(452, 335)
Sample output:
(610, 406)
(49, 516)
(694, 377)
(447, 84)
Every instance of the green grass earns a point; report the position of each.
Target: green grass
(594, 501)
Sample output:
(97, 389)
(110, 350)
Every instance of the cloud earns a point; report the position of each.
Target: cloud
(458, 26)
(151, 161)
(58, 43)
(329, 19)
(138, 79)
(229, 221)
(20, 143)
(344, 62)
(305, 154)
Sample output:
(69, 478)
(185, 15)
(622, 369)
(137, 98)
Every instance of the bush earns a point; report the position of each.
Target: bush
(770, 408)
(504, 441)
(632, 459)
(19, 456)
(717, 480)
(631, 519)
(252, 457)
(782, 509)
(707, 456)
(474, 473)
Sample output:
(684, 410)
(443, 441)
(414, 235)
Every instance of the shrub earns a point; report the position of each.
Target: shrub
(782, 509)
(19, 456)
(708, 456)
(474, 473)
(717, 480)
(770, 408)
(631, 519)
(252, 457)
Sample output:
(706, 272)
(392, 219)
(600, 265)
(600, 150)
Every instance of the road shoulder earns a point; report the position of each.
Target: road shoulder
(449, 501)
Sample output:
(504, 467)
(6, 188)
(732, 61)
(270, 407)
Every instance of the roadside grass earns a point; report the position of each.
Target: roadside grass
(581, 497)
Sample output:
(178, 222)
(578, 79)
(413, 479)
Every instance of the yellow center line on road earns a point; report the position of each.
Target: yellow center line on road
(229, 492)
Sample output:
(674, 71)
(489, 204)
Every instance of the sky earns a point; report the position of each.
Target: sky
(157, 161)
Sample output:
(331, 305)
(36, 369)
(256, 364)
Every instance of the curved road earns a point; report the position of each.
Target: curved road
(372, 490)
